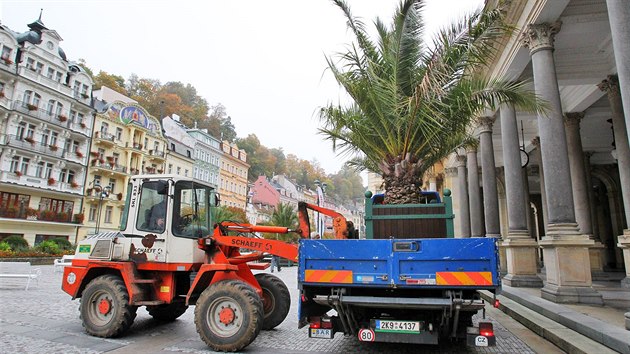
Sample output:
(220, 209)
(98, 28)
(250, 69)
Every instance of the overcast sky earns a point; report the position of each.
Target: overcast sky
(263, 60)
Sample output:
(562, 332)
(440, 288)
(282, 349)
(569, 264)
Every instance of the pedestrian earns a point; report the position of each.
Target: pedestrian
(275, 261)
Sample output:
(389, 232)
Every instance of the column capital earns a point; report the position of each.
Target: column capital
(610, 85)
(540, 36)
(536, 142)
(461, 160)
(485, 124)
(573, 118)
(471, 149)
(451, 171)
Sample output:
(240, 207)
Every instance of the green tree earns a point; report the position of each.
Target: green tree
(284, 215)
(413, 101)
(114, 82)
(224, 213)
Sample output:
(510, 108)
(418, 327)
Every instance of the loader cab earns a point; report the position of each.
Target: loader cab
(165, 215)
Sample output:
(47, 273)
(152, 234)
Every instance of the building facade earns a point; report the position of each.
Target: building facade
(126, 141)
(555, 187)
(207, 156)
(233, 176)
(45, 123)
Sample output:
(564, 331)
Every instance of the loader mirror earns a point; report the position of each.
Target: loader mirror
(162, 187)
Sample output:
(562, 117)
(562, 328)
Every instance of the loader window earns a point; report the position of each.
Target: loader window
(153, 206)
(191, 209)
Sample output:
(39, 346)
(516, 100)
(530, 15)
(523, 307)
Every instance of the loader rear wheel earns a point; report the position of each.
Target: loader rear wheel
(228, 315)
(105, 310)
(276, 300)
(167, 313)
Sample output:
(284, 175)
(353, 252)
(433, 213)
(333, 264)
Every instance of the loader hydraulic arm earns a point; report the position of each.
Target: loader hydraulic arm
(261, 245)
(341, 227)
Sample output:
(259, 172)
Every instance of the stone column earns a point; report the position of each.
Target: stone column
(474, 194)
(520, 247)
(581, 190)
(620, 130)
(489, 178)
(564, 248)
(591, 201)
(464, 206)
(541, 176)
(619, 18)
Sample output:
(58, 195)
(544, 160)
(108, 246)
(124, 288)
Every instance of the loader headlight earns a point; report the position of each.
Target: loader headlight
(71, 278)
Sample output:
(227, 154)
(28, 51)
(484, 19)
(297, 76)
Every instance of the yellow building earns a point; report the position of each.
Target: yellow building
(126, 141)
(233, 177)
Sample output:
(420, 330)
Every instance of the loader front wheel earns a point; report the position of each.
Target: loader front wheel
(105, 310)
(228, 315)
(276, 300)
(167, 313)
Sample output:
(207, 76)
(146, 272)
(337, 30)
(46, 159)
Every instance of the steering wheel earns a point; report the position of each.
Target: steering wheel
(186, 220)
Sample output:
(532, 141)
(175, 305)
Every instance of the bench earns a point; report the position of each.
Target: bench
(19, 270)
(60, 263)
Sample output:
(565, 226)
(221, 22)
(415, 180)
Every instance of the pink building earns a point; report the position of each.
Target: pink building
(264, 193)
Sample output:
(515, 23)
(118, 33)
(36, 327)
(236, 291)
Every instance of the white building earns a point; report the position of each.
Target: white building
(44, 135)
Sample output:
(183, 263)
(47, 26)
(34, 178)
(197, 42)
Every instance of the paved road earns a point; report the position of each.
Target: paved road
(45, 320)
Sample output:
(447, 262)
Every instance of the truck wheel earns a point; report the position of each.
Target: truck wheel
(228, 315)
(105, 310)
(276, 299)
(169, 312)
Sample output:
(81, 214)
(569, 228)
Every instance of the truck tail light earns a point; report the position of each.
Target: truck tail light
(485, 329)
(319, 322)
(315, 322)
(326, 323)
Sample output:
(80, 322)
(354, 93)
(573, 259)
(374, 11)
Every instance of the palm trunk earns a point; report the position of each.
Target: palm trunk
(402, 181)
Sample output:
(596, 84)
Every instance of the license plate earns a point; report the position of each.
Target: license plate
(481, 341)
(397, 326)
(320, 333)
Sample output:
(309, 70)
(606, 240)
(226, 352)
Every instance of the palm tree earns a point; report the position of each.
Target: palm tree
(285, 215)
(225, 213)
(413, 102)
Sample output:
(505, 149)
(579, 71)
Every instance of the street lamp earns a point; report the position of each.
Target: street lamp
(321, 220)
(103, 192)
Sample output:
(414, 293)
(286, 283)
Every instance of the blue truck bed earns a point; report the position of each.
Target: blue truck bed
(404, 263)
(396, 290)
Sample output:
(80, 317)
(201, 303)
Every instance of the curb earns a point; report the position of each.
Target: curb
(564, 338)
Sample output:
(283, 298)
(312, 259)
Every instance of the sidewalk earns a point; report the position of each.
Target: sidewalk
(575, 328)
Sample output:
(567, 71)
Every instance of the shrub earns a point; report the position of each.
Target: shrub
(17, 243)
(48, 246)
(4, 246)
(63, 244)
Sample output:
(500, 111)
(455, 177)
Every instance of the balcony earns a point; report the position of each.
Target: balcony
(40, 182)
(82, 97)
(40, 215)
(104, 138)
(93, 196)
(108, 166)
(45, 81)
(7, 64)
(156, 155)
(60, 120)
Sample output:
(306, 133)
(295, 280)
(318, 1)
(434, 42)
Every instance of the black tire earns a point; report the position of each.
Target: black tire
(228, 315)
(105, 310)
(167, 313)
(276, 300)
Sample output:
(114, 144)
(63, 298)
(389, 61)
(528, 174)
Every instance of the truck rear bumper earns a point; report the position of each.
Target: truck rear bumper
(399, 302)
